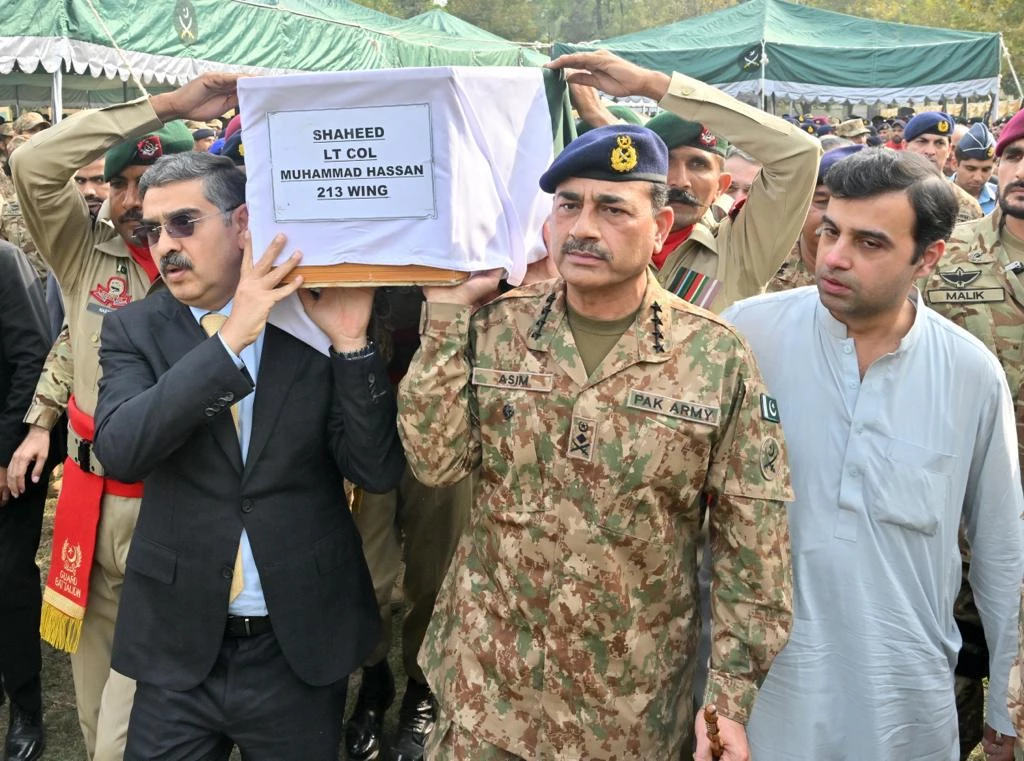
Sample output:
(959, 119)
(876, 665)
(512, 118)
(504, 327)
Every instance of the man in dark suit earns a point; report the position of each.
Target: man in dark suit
(24, 341)
(247, 600)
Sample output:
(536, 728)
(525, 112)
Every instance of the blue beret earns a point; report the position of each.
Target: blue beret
(824, 129)
(616, 153)
(977, 144)
(830, 158)
(929, 123)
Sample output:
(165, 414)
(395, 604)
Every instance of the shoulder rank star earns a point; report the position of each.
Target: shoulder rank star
(624, 154)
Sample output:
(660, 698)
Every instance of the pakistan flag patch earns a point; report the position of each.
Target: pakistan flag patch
(769, 409)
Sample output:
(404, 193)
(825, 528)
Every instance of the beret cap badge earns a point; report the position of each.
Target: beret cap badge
(942, 126)
(150, 148)
(624, 157)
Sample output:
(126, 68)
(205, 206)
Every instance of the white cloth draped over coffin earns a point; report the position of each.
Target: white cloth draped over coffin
(489, 141)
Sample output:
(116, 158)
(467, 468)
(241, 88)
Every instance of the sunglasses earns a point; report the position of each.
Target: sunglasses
(178, 226)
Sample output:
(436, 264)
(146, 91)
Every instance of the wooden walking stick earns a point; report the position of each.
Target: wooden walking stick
(711, 721)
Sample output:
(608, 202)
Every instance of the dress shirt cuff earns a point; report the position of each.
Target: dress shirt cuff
(234, 357)
(733, 696)
(42, 415)
(445, 320)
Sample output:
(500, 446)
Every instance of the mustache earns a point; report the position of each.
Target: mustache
(1013, 186)
(174, 259)
(574, 246)
(132, 215)
(678, 195)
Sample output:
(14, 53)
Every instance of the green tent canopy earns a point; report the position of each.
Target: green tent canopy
(797, 52)
(64, 44)
(490, 49)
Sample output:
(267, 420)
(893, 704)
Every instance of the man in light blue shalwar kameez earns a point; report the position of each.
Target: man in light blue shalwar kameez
(898, 423)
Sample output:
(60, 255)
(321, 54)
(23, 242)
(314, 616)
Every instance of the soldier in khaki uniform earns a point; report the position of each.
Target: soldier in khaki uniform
(798, 269)
(708, 262)
(98, 270)
(978, 285)
(605, 415)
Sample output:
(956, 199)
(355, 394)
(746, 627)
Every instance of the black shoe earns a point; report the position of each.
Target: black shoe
(25, 739)
(416, 720)
(365, 728)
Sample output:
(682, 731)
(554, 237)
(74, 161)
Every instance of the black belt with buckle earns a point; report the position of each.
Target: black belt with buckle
(246, 626)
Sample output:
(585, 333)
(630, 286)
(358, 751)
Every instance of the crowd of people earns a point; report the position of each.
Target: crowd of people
(747, 438)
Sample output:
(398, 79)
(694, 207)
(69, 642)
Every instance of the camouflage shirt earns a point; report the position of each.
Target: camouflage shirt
(1015, 692)
(12, 226)
(53, 389)
(792, 274)
(567, 624)
(969, 207)
(975, 287)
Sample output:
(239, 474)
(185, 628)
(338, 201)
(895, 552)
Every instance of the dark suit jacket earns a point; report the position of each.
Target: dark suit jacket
(24, 342)
(163, 417)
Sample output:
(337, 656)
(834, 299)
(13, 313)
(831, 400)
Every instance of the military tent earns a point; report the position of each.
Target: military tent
(797, 52)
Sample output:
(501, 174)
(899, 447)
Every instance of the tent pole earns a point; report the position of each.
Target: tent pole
(764, 63)
(1009, 62)
(57, 95)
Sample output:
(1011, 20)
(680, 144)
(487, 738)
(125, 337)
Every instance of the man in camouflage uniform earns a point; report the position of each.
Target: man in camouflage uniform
(605, 415)
(12, 226)
(929, 134)
(798, 269)
(99, 268)
(709, 262)
(1015, 694)
(978, 285)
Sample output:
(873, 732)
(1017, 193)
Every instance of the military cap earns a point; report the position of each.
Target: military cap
(1011, 133)
(977, 144)
(852, 128)
(929, 123)
(898, 123)
(677, 132)
(824, 129)
(30, 121)
(234, 149)
(233, 126)
(202, 133)
(6, 129)
(616, 153)
(173, 137)
(874, 141)
(622, 113)
(830, 158)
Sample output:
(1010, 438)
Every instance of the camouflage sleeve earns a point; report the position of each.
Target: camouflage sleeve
(441, 437)
(54, 387)
(1015, 693)
(12, 229)
(751, 599)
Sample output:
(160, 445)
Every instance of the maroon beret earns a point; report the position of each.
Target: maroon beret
(1011, 133)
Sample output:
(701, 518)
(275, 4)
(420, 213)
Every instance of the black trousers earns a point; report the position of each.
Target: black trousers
(251, 699)
(20, 596)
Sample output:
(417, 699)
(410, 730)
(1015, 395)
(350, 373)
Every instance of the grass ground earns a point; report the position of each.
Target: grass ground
(64, 739)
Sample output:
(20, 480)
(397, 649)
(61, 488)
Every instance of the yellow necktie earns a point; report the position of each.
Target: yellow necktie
(212, 322)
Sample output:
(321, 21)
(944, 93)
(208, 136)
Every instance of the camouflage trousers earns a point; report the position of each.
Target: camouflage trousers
(451, 742)
(970, 711)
